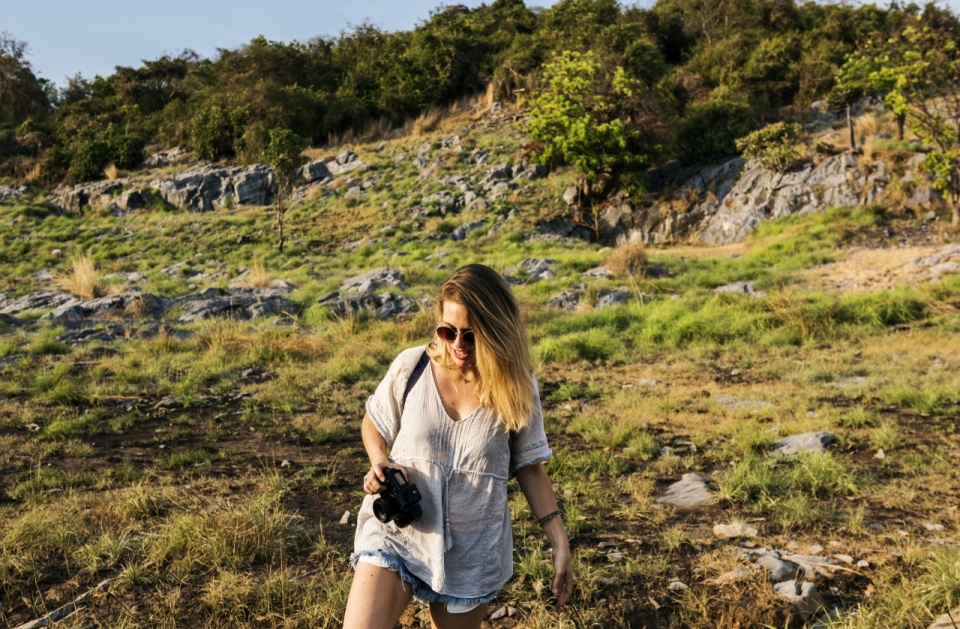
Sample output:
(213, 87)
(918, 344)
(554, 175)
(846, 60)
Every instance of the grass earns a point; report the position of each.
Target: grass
(83, 280)
(212, 530)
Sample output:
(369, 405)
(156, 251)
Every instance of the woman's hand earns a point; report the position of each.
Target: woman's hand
(562, 586)
(374, 479)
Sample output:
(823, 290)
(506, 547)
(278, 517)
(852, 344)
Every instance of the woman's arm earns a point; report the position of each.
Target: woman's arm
(376, 447)
(538, 489)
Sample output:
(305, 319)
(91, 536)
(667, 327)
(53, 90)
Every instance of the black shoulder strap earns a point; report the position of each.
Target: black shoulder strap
(414, 376)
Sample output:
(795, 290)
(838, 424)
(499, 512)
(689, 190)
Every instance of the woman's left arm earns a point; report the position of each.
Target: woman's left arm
(538, 490)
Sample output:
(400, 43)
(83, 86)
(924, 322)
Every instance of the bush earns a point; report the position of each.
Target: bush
(93, 155)
(215, 131)
(774, 145)
(709, 131)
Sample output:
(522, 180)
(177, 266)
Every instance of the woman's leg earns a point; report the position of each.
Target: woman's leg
(377, 598)
(440, 618)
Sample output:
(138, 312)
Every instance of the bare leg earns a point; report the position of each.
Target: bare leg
(377, 598)
(440, 618)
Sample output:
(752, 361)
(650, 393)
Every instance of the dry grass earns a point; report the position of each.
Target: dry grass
(83, 281)
(35, 174)
(628, 259)
(259, 277)
(426, 122)
(111, 172)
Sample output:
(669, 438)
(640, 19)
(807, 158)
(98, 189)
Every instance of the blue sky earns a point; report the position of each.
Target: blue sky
(67, 37)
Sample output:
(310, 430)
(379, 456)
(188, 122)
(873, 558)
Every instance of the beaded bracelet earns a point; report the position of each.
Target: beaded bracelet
(549, 517)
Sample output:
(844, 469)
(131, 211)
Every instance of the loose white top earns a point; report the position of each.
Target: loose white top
(462, 546)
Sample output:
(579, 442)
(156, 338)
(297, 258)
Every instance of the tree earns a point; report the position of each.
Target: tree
(282, 153)
(853, 81)
(22, 94)
(589, 118)
(923, 68)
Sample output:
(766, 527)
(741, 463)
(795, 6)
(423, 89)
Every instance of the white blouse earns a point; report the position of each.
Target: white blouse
(462, 546)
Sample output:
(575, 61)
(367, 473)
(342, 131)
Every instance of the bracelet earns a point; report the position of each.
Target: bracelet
(549, 517)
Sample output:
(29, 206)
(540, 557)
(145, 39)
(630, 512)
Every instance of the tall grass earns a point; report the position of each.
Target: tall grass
(83, 280)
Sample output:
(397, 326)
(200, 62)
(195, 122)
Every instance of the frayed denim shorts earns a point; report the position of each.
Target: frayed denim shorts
(421, 591)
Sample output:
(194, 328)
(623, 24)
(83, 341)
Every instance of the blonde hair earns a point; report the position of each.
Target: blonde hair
(502, 348)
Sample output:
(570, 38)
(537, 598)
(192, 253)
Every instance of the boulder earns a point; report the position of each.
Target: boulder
(691, 490)
(526, 170)
(337, 169)
(372, 280)
(314, 171)
(740, 287)
(609, 297)
(131, 200)
(808, 442)
(599, 273)
(74, 199)
(571, 195)
(734, 530)
(12, 193)
(804, 597)
(777, 569)
(42, 300)
(460, 233)
(385, 305)
(950, 620)
(206, 189)
(165, 158)
(532, 269)
(567, 300)
(241, 304)
(126, 305)
(10, 321)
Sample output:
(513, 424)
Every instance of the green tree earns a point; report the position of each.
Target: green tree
(588, 117)
(853, 81)
(923, 68)
(282, 153)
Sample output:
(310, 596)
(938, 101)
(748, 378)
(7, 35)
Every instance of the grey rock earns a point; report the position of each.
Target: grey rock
(732, 576)
(820, 111)
(349, 305)
(461, 231)
(571, 195)
(610, 297)
(75, 199)
(925, 198)
(658, 178)
(42, 275)
(314, 171)
(12, 193)
(132, 200)
(478, 156)
(691, 490)
(337, 169)
(206, 189)
(532, 269)
(393, 306)
(567, 300)
(444, 201)
(10, 321)
(732, 403)
(41, 300)
(777, 569)
(501, 189)
(126, 305)
(677, 586)
(240, 304)
(372, 280)
(353, 192)
(346, 157)
(734, 530)
(804, 596)
(808, 442)
(740, 287)
(165, 158)
(529, 171)
(450, 142)
(599, 273)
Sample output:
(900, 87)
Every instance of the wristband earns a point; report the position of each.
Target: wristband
(549, 517)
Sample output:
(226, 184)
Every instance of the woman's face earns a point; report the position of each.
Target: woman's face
(455, 316)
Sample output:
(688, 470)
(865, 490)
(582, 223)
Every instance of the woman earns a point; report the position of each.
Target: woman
(457, 428)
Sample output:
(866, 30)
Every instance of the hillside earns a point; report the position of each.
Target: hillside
(180, 402)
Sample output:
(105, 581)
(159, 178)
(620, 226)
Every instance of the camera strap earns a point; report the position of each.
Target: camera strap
(414, 376)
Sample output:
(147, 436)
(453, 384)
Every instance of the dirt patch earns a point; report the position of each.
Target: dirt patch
(864, 270)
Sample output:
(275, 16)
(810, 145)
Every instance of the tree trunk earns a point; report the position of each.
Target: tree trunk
(280, 216)
(901, 120)
(853, 140)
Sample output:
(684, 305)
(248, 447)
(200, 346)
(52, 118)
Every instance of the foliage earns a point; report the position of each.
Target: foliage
(216, 131)
(586, 116)
(710, 129)
(282, 153)
(774, 145)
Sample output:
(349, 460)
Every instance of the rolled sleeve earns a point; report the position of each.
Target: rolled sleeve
(385, 406)
(529, 445)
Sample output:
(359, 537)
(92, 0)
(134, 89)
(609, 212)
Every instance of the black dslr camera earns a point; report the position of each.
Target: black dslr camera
(399, 500)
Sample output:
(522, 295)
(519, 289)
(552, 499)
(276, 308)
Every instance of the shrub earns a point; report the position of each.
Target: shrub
(628, 259)
(215, 131)
(774, 145)
(709, 131)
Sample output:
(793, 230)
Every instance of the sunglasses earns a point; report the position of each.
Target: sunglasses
(448, 334)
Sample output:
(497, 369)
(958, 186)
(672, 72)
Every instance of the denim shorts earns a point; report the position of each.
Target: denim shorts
(421, 591)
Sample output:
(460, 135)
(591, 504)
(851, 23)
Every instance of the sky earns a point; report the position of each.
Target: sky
(67, 37)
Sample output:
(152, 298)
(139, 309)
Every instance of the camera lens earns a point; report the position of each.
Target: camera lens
(384, 510)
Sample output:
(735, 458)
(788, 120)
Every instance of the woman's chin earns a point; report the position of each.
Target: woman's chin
(461, 360)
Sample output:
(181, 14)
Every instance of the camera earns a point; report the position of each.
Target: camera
(399, 500)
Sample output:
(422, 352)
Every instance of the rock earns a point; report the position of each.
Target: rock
(285, 463)
(314, 171)
(206, 189)
(804, 596)
(599, 273)
(532, 269)
(931, 526)
(950, 620)
(734, 530)
(346, 157)
(737, 574)
(84, 195)
(41, 300)
(567, 300)
(11, 193)
(777, 569)
(165, 158)
(354, 192)
(499, 613)
(925, 198)
(821, 111)
(607, 297)
(571, 195)
(125, 305)
(816, 549)
(881, 455)
(10, 321)
(677, 586)
(372, 280)
(345, 518)
(690, 491)
(42, 275)
(239, 304)
(863, 563)
(808, 442)
(732, 403)
(132, 200)
(393, 306)
(57, 253)
(526, 170)
(740, 287)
